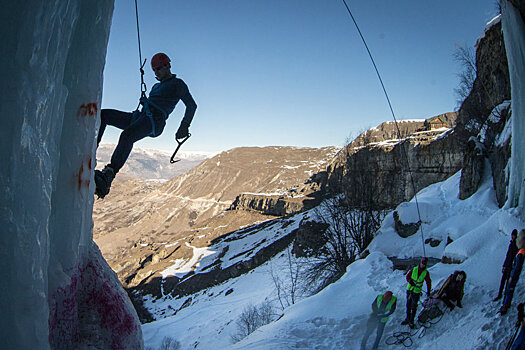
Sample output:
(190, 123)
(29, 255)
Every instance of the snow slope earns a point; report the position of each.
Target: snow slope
(335, 318)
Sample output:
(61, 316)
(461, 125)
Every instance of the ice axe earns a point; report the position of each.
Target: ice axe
(172, 160)
(511, 341)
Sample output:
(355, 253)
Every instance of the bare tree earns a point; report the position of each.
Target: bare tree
(288, 286)
(252, 318)
(466, 58)
(353, 217)
(169, 343)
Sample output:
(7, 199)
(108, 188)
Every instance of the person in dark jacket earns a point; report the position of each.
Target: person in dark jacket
(150, 121)
(415, 278)
(383, 306)
(507, 264)
(453, 289)
(515, 273)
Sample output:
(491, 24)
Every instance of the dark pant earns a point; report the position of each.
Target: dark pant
(519, 343)
(372, 323)
(135, 126)
(412, 300)
(504, 278)
(448, 301)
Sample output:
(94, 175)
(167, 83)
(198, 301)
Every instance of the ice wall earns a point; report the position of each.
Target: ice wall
(57, 290)
(514, 34)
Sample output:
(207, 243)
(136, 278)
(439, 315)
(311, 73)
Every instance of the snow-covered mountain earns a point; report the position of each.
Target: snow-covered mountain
(150, 164)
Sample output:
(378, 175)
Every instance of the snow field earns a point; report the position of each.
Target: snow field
(336, 317)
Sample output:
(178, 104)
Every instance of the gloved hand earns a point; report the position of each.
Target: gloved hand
(183, 131)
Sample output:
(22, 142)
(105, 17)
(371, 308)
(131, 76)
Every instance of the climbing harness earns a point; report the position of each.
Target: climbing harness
(172, 159)
(395, 121)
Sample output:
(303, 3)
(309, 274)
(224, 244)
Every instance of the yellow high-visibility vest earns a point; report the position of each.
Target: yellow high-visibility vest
(388, 306)
(418, 280)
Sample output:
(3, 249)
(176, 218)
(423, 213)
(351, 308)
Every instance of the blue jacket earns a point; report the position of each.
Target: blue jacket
(516, 267)
(166, 94)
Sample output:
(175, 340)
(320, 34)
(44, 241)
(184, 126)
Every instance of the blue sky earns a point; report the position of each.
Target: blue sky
(291, 72)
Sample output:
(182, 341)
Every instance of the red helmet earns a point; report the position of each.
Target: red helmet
(159, 60)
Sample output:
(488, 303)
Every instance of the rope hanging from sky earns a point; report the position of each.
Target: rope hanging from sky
(395, 120)
(143, 87)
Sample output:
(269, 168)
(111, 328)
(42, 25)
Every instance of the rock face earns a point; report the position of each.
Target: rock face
(483, 116)
(403, 129)
(379, 175)
(276, 205)
(405, 230)
(309, 238)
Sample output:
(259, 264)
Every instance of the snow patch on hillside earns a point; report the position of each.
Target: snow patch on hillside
(336, 317)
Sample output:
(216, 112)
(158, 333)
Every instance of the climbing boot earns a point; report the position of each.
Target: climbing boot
(504, 308)
(103, 180)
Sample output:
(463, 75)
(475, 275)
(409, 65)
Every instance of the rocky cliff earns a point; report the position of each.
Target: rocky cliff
(384, 174)
(482, 132)
(404, 128)
(483, 116)
(374, 161)
(277, 205)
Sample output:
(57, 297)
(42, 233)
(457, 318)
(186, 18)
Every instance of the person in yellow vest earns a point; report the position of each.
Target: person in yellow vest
(383, 306)
(415, 278)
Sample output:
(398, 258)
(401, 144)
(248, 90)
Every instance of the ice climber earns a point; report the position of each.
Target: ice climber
(415, 278)
(453, 289)
(149, 121)
(383, 306)
(515, 273)
(507, 264)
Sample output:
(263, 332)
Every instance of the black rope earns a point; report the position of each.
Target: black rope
(405, 338)
(395, 120)
(143, 87)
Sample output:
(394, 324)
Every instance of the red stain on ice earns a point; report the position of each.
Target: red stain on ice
(90, 294)
(88, 109)
(83, 175)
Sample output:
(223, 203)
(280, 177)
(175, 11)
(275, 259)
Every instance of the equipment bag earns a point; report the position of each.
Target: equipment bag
(431, 310)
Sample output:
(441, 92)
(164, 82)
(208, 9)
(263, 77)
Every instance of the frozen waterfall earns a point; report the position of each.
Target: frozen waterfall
(514, 35)
(58, 292)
